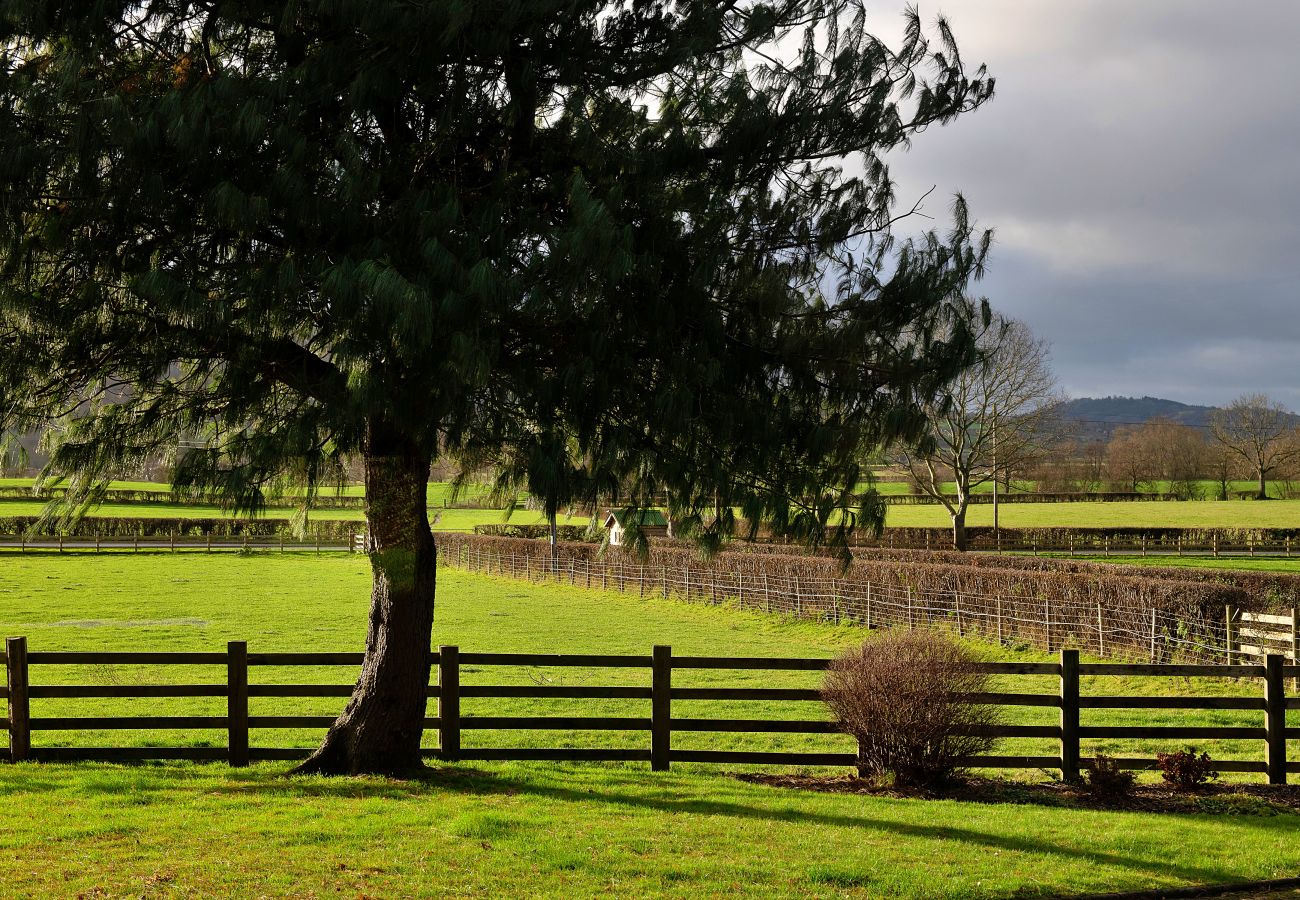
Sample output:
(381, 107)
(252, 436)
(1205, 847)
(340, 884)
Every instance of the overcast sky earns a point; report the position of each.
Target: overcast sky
(1140, 164)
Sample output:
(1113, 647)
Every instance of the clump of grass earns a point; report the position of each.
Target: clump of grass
(482, 825)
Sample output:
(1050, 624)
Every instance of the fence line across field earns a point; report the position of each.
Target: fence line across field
(661, 723)
(175, 543)
(1047, 626)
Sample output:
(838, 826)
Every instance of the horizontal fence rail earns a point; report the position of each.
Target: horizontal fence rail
(659, 725)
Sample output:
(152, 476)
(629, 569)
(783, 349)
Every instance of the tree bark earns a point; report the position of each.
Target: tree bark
(959, 541)
(380, 729)
(1263, 486)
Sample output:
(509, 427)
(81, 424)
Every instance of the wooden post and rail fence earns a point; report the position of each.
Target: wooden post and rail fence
(450, 724)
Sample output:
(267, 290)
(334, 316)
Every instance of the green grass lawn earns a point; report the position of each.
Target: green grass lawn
(1241, 563)
(580, 831)
(1198, 514)
(443, 519)
(522, 829)
(1192, 514)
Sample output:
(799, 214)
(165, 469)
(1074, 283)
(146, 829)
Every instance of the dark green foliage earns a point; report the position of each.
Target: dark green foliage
(1107, 781)
(563, 532)
(1185, 770)
(598, 240)
(639, 247)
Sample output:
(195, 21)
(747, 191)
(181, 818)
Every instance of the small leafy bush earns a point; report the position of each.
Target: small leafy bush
(1107, 781)
(1186, 770)
(904, 696)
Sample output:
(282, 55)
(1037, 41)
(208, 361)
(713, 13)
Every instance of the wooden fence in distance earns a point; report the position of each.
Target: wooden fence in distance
(174, 543)
(660, 725)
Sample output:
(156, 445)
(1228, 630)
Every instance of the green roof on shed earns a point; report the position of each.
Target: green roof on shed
(650, 518)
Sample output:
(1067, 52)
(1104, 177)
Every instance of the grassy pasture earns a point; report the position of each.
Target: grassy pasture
(523, 829)
(304, 602)
(1084, 514)
(1194, 514)
(1249, 564)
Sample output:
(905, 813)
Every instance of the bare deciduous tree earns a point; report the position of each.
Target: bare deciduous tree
(1260, 432)
(1160, 450)
(999, 413)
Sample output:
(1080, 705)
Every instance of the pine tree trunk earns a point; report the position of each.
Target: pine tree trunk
(959, 541)
(380, 729)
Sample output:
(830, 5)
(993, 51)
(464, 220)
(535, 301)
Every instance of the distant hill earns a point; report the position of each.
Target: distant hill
(1098, 417)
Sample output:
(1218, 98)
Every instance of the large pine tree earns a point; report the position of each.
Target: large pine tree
(656, 233)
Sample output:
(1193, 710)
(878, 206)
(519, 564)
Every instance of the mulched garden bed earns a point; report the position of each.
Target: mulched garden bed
(1228, 798)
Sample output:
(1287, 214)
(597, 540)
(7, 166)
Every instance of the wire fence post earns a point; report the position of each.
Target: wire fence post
(1101, 632)
(1229, 639)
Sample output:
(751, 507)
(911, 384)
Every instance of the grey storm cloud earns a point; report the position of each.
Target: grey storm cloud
(1140, 165)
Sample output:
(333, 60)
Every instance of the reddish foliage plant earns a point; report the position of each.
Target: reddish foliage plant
(905, 696)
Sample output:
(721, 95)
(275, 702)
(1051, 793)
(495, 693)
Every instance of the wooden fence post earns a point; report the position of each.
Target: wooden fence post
(1047, 623)
(1153, 634)
(1069, 715)
(449, 703)
(663, 576)
(1295, 642)
(767, 596)
(869, 625)
(956, 601)
(237, 703)
(998, 601)
(1101, 632)
(1228, 636)
(1275, 718)
(661, 707)
(20, 735)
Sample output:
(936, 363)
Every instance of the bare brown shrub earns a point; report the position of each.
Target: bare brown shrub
(905, 697)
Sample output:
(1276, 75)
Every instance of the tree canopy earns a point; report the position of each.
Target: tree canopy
(658, 234)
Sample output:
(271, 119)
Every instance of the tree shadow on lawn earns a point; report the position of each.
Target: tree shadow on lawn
(619, 788)
(615, 787)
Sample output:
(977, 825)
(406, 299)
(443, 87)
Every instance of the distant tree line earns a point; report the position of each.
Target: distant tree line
(1254, 438)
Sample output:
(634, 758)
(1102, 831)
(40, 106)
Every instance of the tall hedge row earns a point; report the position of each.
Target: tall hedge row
(148, 527)
(1141, 614)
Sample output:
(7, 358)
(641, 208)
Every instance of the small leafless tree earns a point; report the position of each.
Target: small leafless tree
(905, 696)
(997, 415)
(1260, 432)
(1128, 459)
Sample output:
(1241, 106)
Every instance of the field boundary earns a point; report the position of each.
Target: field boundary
(1140, 630)
(660, 725)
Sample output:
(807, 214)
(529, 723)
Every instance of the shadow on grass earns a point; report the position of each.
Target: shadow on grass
(617, 787)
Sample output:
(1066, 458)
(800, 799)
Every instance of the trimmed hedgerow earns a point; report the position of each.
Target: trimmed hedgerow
(118, 527)
(1155, 617)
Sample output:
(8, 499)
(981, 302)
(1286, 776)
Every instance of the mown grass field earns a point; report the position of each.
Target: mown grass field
(1192, 514)
(1249, 564)
(525, 829)
(1153, 514)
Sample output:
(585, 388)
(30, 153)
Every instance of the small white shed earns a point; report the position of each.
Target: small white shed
(653, 524)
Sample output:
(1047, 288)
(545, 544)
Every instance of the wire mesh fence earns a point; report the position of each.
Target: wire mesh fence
(1140, 632)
